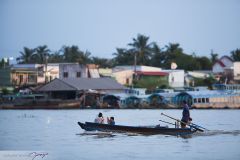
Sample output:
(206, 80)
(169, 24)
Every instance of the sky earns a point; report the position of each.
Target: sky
(101, 26)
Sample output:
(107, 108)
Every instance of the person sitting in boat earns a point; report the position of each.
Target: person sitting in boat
(99, 118)
(185, 115)
(111, 121)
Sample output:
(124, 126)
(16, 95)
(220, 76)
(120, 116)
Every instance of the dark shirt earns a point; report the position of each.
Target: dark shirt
(111, 123)
(185, 113)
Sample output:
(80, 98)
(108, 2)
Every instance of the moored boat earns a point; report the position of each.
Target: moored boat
(146, 130)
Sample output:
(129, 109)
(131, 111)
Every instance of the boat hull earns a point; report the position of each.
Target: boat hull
(89, 126)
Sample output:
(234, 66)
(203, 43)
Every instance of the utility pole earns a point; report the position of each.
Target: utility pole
(46, 61)
(135, 68)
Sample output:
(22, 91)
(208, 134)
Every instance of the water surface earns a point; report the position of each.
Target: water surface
(56, 132)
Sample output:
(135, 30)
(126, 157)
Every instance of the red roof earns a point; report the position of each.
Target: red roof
(230, 59)
(220, 63)
(152, 73)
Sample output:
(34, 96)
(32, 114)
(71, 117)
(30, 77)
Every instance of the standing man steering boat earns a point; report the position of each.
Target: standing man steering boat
(185, 115)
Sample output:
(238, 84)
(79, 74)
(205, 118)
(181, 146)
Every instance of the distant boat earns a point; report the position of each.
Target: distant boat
(145, 130)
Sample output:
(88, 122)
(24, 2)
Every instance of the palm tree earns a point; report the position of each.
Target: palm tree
(56, 57)
(123, 57)
(102, 62)
(73, 54)
(142, 48)
(158, 57)
(26, 56)
(42, 53)
(236, 55)
(173, 53)
(84, 58)
(214, 56)
(70, 53)
(174, 48)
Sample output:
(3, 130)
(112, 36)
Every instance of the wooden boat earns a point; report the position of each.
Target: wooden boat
(146, 130)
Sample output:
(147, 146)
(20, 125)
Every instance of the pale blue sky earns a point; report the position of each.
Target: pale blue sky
(100, 26)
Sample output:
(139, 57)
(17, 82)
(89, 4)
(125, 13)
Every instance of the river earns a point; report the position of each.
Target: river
(55, 135)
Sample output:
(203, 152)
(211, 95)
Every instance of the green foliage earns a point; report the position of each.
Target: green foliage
(147, 53)
(236, 55)
(41, 54)
(209, 81)
(204, 63)
(214, 56)
(73, 54)
(3, 63)
(102, 62)
(142, 48)
(163, 86)
(158, 56)
(151, 82)
(56, 57)
(26, 56)
(123, 57)
(5, 91)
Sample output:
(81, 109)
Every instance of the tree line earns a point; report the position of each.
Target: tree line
(145, 52)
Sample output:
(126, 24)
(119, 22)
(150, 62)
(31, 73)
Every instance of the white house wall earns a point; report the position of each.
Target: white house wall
(236, 70)
(228, 63)
(72, 70)
(53, 71)
(217, 68)
(122, 76)
(176, 78)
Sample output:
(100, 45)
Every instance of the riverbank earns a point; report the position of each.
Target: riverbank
(61, 107)
(76, 104)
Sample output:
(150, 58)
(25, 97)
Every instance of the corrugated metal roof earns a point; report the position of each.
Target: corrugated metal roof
(94, 83)
(166, 95)
(208, 93)
(70, 84)
(57, 85)
(26, 66)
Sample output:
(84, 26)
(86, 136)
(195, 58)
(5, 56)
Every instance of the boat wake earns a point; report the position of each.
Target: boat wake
(97, 134)
(217, 132)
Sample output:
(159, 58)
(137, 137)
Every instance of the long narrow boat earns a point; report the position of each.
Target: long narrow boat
(89, 126)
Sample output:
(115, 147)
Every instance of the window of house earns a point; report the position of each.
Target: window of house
(40, 71)
(207, 100)
(127, 81)
(199, 100)
(78, 74)
(21, 78)
(65, 74)
(195, 100)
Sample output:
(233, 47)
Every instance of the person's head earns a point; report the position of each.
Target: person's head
(184, 102)
(100, 114)
(112, 118)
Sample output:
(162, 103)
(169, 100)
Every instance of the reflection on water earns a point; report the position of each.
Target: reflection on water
(26, 116)
(217, 133)
(57, 132)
